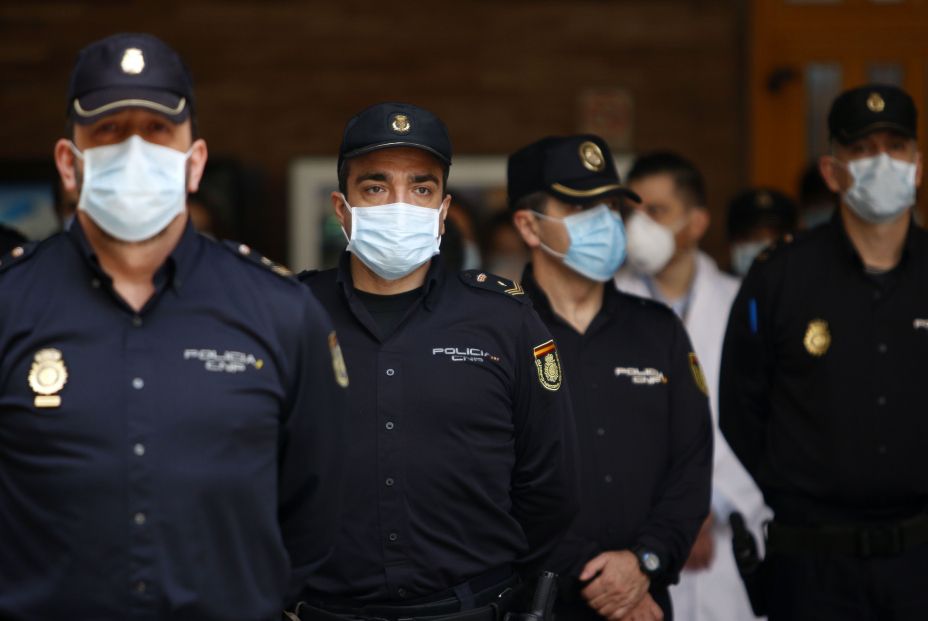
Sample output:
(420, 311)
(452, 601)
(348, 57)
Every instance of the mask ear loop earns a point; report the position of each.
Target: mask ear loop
(546, 247)
(351, 211)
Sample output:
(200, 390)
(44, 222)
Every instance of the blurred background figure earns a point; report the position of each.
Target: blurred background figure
(503, 251)
(757, 218)
(817, 202)
(666, 264)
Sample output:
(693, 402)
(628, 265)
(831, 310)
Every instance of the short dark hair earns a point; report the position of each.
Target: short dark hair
(534, 201)
(344, 171)
(686, 177)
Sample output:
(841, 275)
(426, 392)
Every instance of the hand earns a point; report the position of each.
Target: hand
(619, 585)
(703, 548)
(646, 610)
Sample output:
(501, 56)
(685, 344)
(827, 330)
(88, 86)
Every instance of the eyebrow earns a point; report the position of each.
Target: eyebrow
(424, 178)
(372, 176)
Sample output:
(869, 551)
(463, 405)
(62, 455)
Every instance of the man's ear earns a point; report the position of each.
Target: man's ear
(444, 207)
(527, 225)
(196, 165)
(341, 211)
(698, 223)
(66, 163)
(918, 169)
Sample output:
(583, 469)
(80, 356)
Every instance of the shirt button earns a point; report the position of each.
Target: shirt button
(881, 348)
(600, 432)
(389, 425)
(608, 478)
(139, 450)
(95, 283)
(877, 295)
(881, 400)
(390, 372)
(389, 482)
(401, 592)
(140, 586)
(138, 383)
(137, 321)
(393, 536)
(881, 449)
(139, 519)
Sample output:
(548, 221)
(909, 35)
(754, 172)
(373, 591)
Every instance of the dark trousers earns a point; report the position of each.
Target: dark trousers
(574, 608)
(848, 588)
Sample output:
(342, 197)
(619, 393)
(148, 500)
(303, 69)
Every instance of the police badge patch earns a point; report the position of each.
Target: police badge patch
(338, 361)
(548, 365)
(47, 377)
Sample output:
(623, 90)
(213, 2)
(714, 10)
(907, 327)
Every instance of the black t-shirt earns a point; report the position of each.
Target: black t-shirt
(388, 310)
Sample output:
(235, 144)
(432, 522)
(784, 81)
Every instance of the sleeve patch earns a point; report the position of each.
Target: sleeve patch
(698, 376)
(548, 365)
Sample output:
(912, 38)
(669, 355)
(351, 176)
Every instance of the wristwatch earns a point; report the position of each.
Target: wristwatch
(648, 560)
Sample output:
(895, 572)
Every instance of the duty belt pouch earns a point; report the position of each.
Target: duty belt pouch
(542, 600)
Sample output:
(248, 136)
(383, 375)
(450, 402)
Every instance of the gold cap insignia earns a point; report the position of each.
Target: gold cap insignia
(698, 375)
(763, 200)
(338, 361)
(132, 61)
(817, 339)
(592, 157)
(481, 277)
(47, 376)
(548, 365)
(401, 124)
(875, 103)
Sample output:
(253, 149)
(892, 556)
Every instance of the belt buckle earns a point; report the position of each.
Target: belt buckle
(880, 541)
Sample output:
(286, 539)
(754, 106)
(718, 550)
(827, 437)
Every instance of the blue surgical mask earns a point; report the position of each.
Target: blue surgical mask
(393, 240)
(597, 242)
(883, 187)
(134, 189)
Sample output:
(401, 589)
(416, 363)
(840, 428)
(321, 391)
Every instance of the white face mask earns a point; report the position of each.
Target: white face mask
(743, 255)
(395, 239)
(134, 189)
(883, 187)
(650, 245)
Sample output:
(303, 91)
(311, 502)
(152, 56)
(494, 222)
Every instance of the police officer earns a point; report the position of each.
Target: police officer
(169, 406)
(821, 396)
(757, 218)
(639, 396)
(461, 468)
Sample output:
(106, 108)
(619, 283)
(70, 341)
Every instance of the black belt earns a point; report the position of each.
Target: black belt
(483, 598)
(862, 541)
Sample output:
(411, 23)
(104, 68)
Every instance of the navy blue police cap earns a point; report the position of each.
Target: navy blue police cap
(575, 169)
(129, 70)
(761, 207)
(387, 125)
(860, 111)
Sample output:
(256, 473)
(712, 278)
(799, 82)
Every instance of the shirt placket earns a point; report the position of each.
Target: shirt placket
(141, 389)
(394, 530)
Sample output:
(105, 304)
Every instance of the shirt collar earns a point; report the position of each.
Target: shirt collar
(434, 279)
(840, 233)
(173, 272)
(542, 304)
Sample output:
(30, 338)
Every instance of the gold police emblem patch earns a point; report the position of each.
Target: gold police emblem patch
(698, 376)
(875, 103)
(338, 361)
(47, 376)
(817, 338)
(401, 124)
(133, 62)
(548, 365)
(592, 157)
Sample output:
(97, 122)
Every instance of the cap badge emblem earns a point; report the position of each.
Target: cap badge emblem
(592, 157)
(47, 376)
(132, 61)
(875, 103)
(817, 339)
(401, 124)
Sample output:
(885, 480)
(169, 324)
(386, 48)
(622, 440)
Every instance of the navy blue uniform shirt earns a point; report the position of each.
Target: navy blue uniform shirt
(823, 392)
(161, 464)
(643, 428)
(462, 451)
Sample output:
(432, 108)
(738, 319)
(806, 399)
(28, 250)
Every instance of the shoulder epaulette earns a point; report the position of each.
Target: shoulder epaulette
(248, 254)
(17, 255)
(767, 252)
(492, 282)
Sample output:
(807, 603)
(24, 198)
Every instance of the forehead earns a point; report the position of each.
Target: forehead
(396, 161)
(655, 187)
